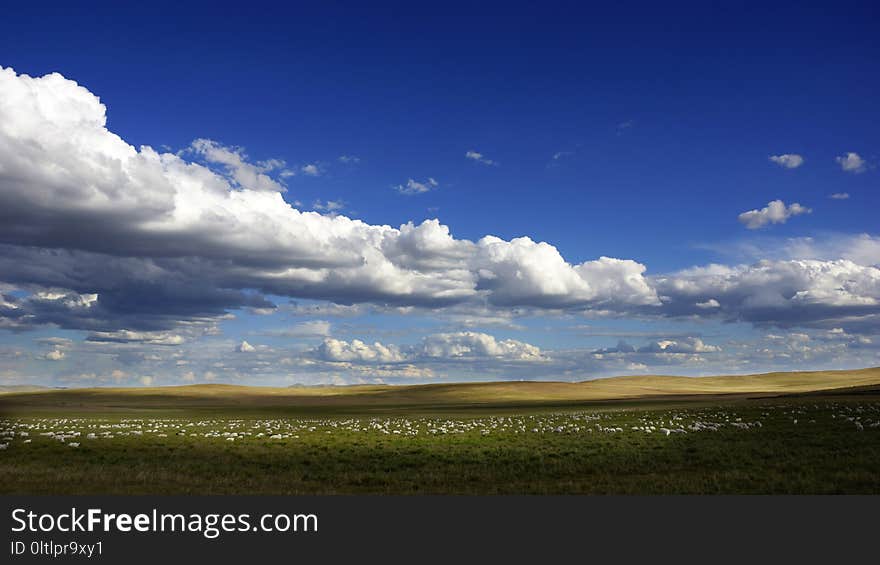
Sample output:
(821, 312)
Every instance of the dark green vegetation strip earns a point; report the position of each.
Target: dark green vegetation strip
(806, 444)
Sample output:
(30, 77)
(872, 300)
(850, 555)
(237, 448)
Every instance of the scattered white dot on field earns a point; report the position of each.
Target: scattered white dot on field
(620, 424)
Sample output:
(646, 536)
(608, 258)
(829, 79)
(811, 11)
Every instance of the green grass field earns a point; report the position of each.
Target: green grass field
(775, 433)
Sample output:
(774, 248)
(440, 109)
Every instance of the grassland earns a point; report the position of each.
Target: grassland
(775, 433)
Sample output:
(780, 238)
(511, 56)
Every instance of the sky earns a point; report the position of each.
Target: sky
(344, 192)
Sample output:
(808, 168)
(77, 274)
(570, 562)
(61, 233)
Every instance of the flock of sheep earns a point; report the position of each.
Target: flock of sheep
(74, 432)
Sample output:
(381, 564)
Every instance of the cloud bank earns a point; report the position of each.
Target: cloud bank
(141, 248)
(140, 230)
(442, 346)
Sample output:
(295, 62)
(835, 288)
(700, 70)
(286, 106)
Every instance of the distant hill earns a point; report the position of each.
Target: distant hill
(443, 396)
(21, 388)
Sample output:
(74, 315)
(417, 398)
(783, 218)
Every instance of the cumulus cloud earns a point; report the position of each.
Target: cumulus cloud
(55, 355)
(475, 344)
(851, 163)
(621, 347)
(684, 345)
(523, 272)
(776, 212)
(441, 346)
(863, 249)
(356, 350)
(687, 345)
(150, 234)
(788, 160)
(140, 247)
(783, 293)
(245, 347)
(479, 158)
(415, 187)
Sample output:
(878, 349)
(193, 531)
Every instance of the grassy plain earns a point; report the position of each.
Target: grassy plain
(776, 433)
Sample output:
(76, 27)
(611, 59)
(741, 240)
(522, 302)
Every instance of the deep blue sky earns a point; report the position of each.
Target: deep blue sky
(664, 116)
(711, 90)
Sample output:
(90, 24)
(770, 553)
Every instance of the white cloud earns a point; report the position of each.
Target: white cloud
(680, 346)
(66, 298)
(62, 167)
(479, 158)
(782, 293)
(839, 196)
(313, 169)
(475, 344)
(788, 160)
(245, 347)
(55, 355)
(851, 163)
(441, 346)
(129, 336)
(146, 248)
(686, 345)
(524, 272)
(66, 177)
(775, 212)
(239, 171)
(416, 187)
(349, 159)
(338, 350)
(862, 249)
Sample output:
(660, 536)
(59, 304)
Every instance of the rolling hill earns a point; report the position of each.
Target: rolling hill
(440, 396)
